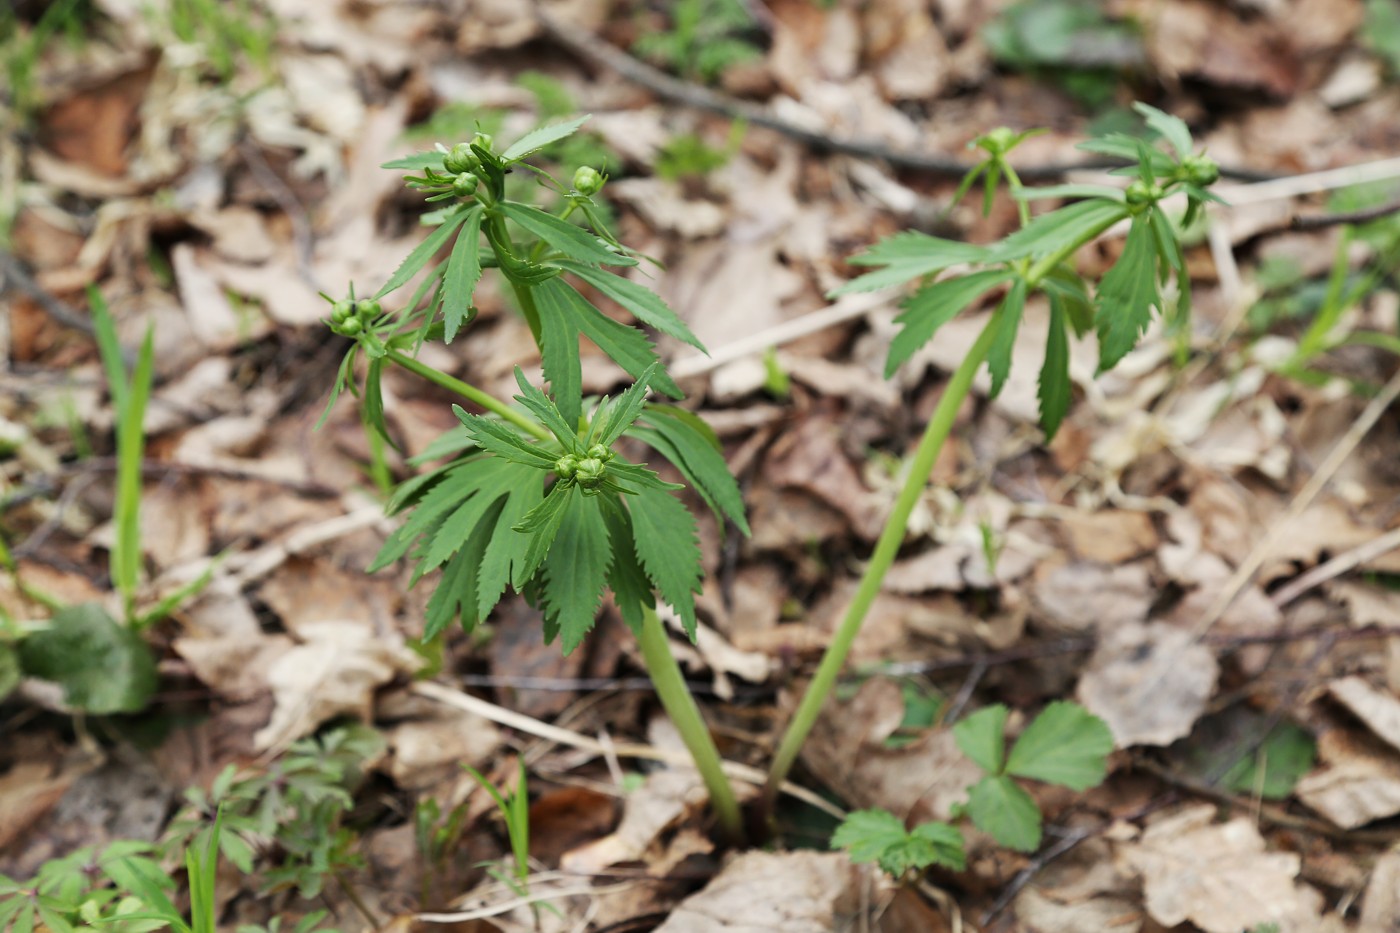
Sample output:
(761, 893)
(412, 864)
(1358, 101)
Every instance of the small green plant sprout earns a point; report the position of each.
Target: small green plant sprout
(116, 888)
(1037, 258)
(704, 40)
(879, 836)
(1065, 745)
(515, 810)
(536, 498)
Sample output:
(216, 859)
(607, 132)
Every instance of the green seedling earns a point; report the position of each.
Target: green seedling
(21, 50)
(1070, 42)
(1036, 258)
(705, 38)
(227, 32)
(1381, 33)
(1064, 745)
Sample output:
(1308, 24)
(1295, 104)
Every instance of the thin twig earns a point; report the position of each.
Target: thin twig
(13, 273)
(1322, 221)
(1342, 563)
(1037, 864)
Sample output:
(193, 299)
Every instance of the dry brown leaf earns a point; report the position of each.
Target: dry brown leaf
(1110, 536)
(426, 752)
(235, 666)
(666, 798)
(811, 459)
(1203, 40)
(1359, 782)
(1379, 710)
(1150, 683)
(1082, 891)
(1083, 596)
(335, 672)
(771, 892)
(1380, 911)
(1219, 876)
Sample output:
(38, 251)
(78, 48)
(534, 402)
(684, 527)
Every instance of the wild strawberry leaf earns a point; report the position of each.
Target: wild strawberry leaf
(981, 736)
(1066, 745)
(880, 836)
(999, 806)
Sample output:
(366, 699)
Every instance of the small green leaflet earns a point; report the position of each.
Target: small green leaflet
(1000, 807)
(537, 139)
(908, 256)
(1173, 129)
(1065, 745)
(683, 439)
(1126, 296)
(424, 251)
(457, 593)
(547, 414)
(463, 272)
(574, 242)
(999, 355)
(576, 570)
(417, 162)
(879, 836)
(612, 418)
(1051, 231)
(981, 738)
(1054, 385)
(666, 546)
(643, 304)
(931, 307)
(632, 591)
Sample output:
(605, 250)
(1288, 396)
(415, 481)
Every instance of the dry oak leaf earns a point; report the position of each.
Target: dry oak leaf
(1150, 683)
(1380, 711)
(334, 673)
(1218, 876)
(771, 892)
(1359, 784)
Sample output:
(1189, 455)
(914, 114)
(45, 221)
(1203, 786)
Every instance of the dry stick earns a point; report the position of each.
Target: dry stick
(14, 273)
(526, 724)
(1322, 221)
(1251, 564)
(1342, 563)
(668, 87)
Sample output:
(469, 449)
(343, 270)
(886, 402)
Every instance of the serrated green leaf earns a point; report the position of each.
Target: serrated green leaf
(641, 302)
(1000, 807)
(946, 843)
(538, 138)
(540, 524)
(626, 346)
(1168, 242)
(576, 570)
(1071, 191)
(1276, 768)
(1066, 745)
(1126, 295)
(699, 459)
(456, 594)
(1054, 385)
(866, 834)
(631, 477)
(934, 305)
(102, 666)
(667, 548)
(1125, 147)
(373, 407)
(879, 836)
(1049, 232)
(631, 589)
(424, 251)
(447, 489)
(1069, 286)
(908, 256)
(999, 354)
(546, 413)
(981, 736)
(574, 242)
(1173, 129)
(463, 272)
(560, 317)
(504, 562)
(503, 441)
(417, 162)
(464, 521)
(621, 412)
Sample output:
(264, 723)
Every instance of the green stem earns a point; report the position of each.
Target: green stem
(675, 697)
(500, 239)
(468, 391)
(886, 548)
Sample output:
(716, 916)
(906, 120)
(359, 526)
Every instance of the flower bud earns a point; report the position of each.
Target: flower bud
(1201, 170)
(342, 310)
(368, 309)
(566, 466)
(587, 180)
(460, 159)
(351, 327)
(599, 452)
(590, 472)
(464, 185)
(483, 141)
(1139, 193)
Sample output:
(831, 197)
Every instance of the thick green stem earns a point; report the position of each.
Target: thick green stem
(886, 548)
(468, 391)
(675, 697)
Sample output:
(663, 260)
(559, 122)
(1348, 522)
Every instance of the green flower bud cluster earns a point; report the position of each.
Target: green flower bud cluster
(588, 471)
(350, 318)
(1141, 195)
(588, 181)
(464, 165)
(1199, 170)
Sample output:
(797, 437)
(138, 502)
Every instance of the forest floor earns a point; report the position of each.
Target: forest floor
(1206, 555)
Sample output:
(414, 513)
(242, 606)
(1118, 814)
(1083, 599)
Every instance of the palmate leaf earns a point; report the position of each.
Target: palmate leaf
(641, 302)
(1126, 296)
(908, 256)
(463, 272)
(931, 307)
(540, 525)
(999, 355)
(665, 543)
(576, 570)
(880, 836)
(1054, 384)
(687, 442)
(538, 138)
(574, 242)
(1066, 745)
(547, 413)
(503, 441)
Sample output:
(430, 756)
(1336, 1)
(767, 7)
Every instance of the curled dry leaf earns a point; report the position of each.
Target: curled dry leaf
(1380, 711)
(771, 892)
(1150, 683)
(334, 673)
(1359, 783)
(665, 799)
(1381, 908)
(1082, 595)
(1219, 877)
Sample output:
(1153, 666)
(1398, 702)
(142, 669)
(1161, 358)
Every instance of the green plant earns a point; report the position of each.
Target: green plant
(1064, 745)
(226, 32)
(1381, 34)
(535, 497)
(1035, 258)
(687, 156)
(705, 38)
(20, 51)
(1071, 42)
(515, 810)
